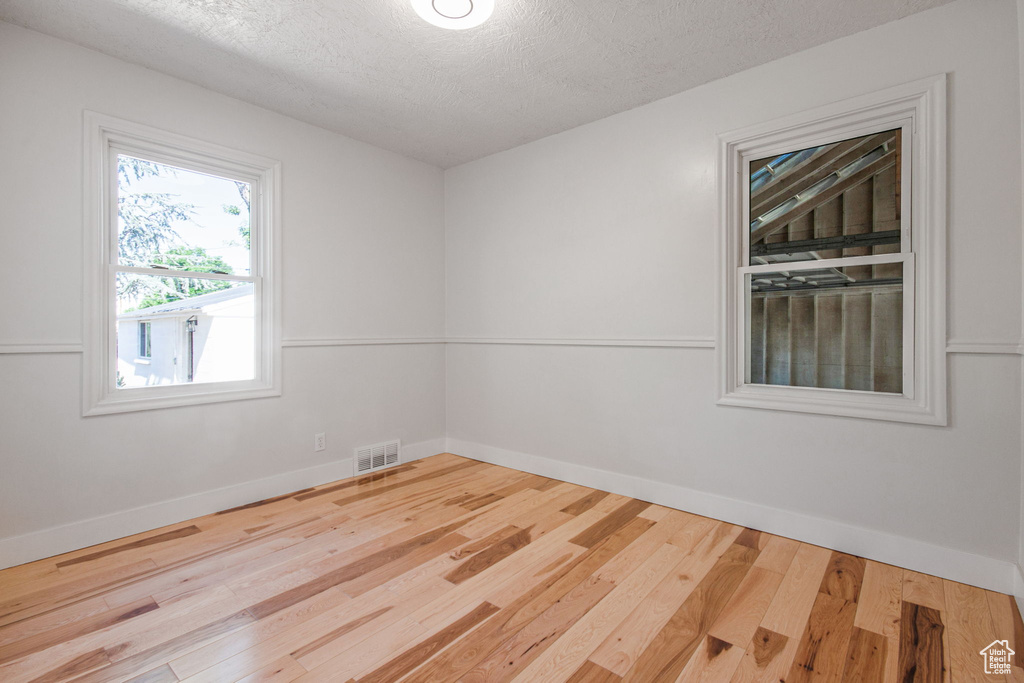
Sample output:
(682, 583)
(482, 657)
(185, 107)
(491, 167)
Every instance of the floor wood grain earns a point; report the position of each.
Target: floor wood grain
(448, 569)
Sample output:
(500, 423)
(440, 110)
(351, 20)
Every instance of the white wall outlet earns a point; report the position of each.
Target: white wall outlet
(319, 441)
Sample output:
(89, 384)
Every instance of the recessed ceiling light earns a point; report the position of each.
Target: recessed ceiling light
(454, 14)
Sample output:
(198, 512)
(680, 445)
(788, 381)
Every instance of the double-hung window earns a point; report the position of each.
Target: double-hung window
(833, 261)
(180, 270)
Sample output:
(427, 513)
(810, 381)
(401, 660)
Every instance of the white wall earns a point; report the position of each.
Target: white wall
(1020, 559)
(362, 258)
(607, 232)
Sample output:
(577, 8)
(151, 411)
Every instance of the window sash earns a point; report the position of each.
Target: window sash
(743, 345)
(906, 125)
(843, 262)
(905, 256)
(188, 162)
(258, 340)
(187, 274)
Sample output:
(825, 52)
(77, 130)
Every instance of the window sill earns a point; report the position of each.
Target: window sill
(153, 398)
(837, 403)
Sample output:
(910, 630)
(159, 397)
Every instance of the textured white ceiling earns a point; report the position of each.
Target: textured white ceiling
(373, 70)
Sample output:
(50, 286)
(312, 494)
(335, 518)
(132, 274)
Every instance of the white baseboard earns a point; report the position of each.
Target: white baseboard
(65, 538)
(423, 449)
(1018, 591)
(955, 565)
(1005, 577)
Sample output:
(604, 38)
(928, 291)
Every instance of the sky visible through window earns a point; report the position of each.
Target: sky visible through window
(177, 219)
(210, 226)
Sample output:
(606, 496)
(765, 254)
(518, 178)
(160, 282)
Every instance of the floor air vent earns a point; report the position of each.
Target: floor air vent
(378, 456)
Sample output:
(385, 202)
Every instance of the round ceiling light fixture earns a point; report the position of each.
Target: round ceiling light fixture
(454, 14)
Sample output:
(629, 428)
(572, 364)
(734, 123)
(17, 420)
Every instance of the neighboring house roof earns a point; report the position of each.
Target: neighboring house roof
(196, 304)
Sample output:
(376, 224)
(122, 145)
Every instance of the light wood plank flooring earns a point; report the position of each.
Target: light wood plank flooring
(447, 569)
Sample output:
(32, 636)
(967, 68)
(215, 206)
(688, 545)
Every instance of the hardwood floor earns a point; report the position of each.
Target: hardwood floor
(448, 569)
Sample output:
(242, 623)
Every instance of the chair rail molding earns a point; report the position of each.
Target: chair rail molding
(359, 341)
(957, 346)
(42, 347)
(653, 342)
(1006, 347)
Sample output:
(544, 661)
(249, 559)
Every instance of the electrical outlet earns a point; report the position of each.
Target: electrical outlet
(319, 441)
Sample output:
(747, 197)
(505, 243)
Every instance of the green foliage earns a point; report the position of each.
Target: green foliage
(147, 239)
(244, 231)
(144, 222)
(193, 259)
(235, 210)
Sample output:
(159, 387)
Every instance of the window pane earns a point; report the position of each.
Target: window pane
(835, 328)
(841, 199)
(144, 346)
(175, 218)
(194, 331)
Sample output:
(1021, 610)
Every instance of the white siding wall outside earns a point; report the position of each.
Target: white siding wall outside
(161, 366)
(222, 347)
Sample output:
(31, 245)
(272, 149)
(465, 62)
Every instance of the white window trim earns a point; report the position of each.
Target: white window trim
(103, 137)
(920, 107)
